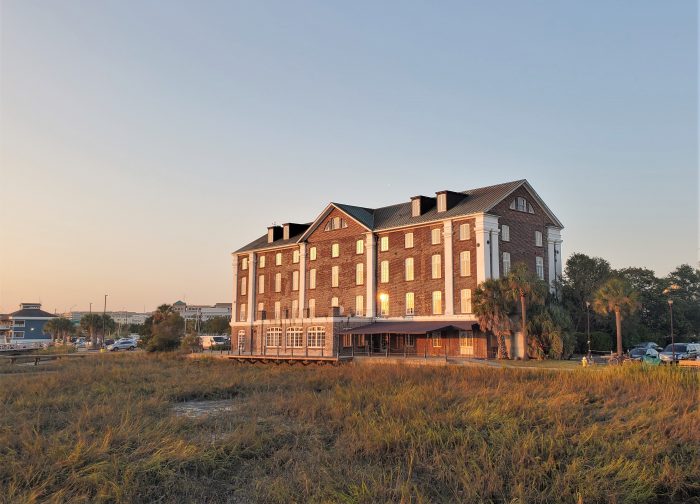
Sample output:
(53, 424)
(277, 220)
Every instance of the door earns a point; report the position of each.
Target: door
(466, 343)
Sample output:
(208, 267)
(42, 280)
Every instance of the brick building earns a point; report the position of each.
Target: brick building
(390, 280)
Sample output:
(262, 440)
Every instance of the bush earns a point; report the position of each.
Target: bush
(166, 335)
(191, 343)
(600, 342)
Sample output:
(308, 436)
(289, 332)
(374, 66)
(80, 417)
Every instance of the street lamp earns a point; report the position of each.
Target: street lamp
(104, 316)
(673, 347)
(588, 327)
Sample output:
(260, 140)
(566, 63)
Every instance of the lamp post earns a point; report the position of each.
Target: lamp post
(104, 317)
(588, 327)
(673, 346)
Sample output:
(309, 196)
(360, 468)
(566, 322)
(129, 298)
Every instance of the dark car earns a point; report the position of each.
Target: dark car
(648, 344)
(636, 354)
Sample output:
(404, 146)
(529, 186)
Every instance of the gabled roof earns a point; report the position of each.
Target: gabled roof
(363, 216)
(31, 313)
(262, 243)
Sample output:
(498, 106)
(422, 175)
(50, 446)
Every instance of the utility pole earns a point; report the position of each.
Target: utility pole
(104, 320)
(92, 340)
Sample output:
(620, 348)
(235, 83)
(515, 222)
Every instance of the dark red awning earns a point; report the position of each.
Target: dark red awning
(410, 327)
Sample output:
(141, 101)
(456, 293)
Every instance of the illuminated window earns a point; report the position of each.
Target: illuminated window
(261, 261)
(335, 250)
(295, 337)
(278, 259)
(408, 240)
(335, 274)
(360, 247)
(359, 306)
(410, 303)
(437, 302)
(384, 305)
(408, 266)
(295, 256)
(244, 286)
(437, 266)
(435, 236)
(312, 253)
(261, 284)
(384, 272)
(464, 232)
(316, 337)
(312, 278)
(273, 337)
(359, 274)
(295, 280)
(278, 282)
(465, 264)
(465, 296)
(384, 243)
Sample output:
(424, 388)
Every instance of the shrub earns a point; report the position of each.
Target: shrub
(166, 335)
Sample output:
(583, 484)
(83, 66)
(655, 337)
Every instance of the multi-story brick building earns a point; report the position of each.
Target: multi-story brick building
(392, 280)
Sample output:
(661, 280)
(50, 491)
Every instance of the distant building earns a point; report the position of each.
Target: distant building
(202, 312)
(119, 317)
(26, 324)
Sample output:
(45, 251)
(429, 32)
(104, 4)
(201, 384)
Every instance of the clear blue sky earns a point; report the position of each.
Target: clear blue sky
(143, 141)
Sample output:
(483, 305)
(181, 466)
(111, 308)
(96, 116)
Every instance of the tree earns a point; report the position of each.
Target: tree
(217, 325)
(59, 327)
(491, 308)
(616, 296)
(166, 333)
(524, 288)
(550, 333)
(96, 324)
(583, 276)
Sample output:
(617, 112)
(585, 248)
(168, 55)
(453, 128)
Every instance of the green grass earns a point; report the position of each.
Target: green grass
(102, 430)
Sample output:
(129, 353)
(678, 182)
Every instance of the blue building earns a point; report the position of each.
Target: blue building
(27, 324)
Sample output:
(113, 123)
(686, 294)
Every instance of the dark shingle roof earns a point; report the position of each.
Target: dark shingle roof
(364, 216)
(31, 312)
(261, 243)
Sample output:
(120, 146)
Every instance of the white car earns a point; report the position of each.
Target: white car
(122, 344)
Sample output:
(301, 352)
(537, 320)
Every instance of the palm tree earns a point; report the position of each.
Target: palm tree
(51, 327)
(616, 296)
(59, 326)
(492, 311)
(524, 288)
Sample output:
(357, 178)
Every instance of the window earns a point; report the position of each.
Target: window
(312, 308)
(505, 233)
(278, 310)
(506, 263)
(466, 342)
(408, 267)
(295, 308)
(384, 305)
(334, 302)
(465, 263)
(436, 337)
(359, 274)
(241, 317)
(437, 266)
(410, 340)
(539, 267)
(278, 282)
(244, 286)
(295, 280)
(359, 306)
(244, 263)
(261, 284)
(18, 334)
(273, 337)
(442, 202)
(335, 250)
(360, 247)
(334, 276)
(410, 303)
(18, 323)
(335, 223)
(278, 259)
(435, 236)
(408, 240)
(347, 340)
(384, 243)
(241, 340)
(295, 337)
(463, 232)
(465, 297)
(538, 238)
(384, 272)
(437, 302)
(295, 256)
(312, 278)
(261, 261)
(316, 337)
(312, 253)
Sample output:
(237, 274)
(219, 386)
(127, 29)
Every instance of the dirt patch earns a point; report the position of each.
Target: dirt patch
(200, 409)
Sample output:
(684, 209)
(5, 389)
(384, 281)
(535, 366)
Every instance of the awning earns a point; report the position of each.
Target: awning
(410, 327)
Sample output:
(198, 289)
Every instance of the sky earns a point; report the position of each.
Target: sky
(141, 142)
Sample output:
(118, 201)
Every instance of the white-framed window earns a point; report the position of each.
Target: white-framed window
(408, 269)
(465, 263)
(465, 298)
(335, 276)
(312, 254)
(506, 263)
(359, 305)
(334, 302)
(312, 308)
(316, 337)
(242, 315)
(408, 240)
(436, 266)
(18, 334)
(436, 338)
(273, 337)
(538, 238)
(278, 310)
(442, 202)
(505, 233)
(18, 323)
(384, 272)
(261, 284)
(410, 340)
(519, 204)
(466, 342)
(278, 282)
(347, 340)
(261, 308)
(464, 231)
(295, 308)
(335, 250)
(295, 337)
(384, 305)
(410, 303)
(244, 286)
(435, 236)
(295, 256)
(384, 243)
(539, 267)
(437, 302)
(312, 278)
(360, 246)
(261, 261)
(359, 274)
(244, 263)
(295, 280)
(241, 340)
(278, 259)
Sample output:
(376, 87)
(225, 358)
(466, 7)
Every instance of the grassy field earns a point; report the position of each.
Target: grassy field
(103, 429)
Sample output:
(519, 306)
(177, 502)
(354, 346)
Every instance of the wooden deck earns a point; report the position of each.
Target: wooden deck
(39, 357)
(287, 359)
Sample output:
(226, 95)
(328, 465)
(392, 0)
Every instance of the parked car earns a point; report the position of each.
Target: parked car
(682, 351)
(636, 354)
(648, 344)
(215, 342)
(122, 344)
(80, 343)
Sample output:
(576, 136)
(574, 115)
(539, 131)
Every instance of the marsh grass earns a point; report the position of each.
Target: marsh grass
(104, 430)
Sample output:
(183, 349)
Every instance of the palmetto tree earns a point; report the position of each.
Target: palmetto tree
(616, 296)
(525, 289)
(59, 327)
(491, 308)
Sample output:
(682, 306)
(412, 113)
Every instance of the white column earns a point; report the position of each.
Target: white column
(302, 277)
(554, 266)
(234, 304)
(483, 226)
(495, 258)
(371, 274)
(449, 268)
(252, 288)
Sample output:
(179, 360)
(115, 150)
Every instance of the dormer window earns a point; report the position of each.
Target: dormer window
(442, 202)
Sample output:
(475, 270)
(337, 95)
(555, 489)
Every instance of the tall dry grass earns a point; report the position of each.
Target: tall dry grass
(102, 430)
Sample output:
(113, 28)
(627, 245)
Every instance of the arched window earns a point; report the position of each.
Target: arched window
(273, 337)
(316, 337)
(295, 337)
(335, 223)
(241, 340)
(521, 205)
